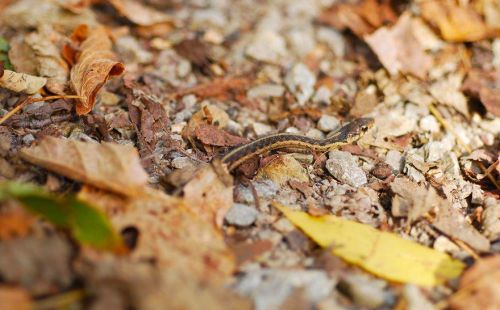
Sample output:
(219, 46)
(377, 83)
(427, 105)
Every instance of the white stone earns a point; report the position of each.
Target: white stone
(300, 81)
(328, 123)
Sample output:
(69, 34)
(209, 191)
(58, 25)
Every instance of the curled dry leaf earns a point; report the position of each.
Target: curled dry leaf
(95, 64)
(139, 13)
(484, 85)
(109, 166)
(399, 50)
(50, 63)
(21, 83)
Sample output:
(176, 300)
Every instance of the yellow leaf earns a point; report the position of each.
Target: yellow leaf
(383, 254)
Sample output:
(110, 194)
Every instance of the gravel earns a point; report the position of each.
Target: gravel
(343, 166)
(241, 215)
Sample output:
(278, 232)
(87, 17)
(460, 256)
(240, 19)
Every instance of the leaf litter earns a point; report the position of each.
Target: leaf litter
(148, 93)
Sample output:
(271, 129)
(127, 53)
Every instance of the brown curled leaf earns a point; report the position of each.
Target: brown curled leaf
(95, 64)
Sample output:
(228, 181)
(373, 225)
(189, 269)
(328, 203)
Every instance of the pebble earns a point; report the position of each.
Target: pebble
(365, 291)
(182, 162)
(315, 134)
(343, 166)
(28, 139)
(429, 123)
(395, 160)
(333, 39)
(444, 244)
(415, 299)
(301, 40)
(328, 123)
(241, 215)
(267, 46)
(269, 288)
(261, 129)
(131, 51)
(266, 91)
(322, 95)
(300, 81)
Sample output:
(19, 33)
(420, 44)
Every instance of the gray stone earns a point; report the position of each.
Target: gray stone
(366, 292)
(269, 288)
(300, 81)
(395, 160)
(265, 91)
(343, 166)
(241, 215)
(328, 123)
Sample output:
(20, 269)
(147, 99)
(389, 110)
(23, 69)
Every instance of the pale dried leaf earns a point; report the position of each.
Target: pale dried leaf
(208, 195)
(399, 50)
(139, 13)
(171, 232)
(456, 23)
(447, 91)
(413, 200)
(479, 286)
(95, 65)
(22, 83)
(50, 63)
(108, 166)
(452, 223)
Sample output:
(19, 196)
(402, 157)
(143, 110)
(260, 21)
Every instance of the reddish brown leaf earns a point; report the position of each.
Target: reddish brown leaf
(361, 18)
(212, 135)
(108, 166)
(483, 85)
(94, 66)
(220, 88)
(16, 223)
(15, 298)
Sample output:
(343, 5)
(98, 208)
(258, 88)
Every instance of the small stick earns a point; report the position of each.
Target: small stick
(31, 100)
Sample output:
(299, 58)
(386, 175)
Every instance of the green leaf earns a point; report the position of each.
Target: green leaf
(4, 45)
(87, 224)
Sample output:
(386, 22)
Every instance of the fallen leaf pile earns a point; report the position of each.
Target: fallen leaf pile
(116, 116)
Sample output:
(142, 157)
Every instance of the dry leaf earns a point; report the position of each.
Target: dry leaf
(21, 83)
(16, 223)
(361, 18)
(109, 166)
(95, 65)
(457, 23)
(208, 196)
(479, 286)
(447, 91)
(398, 49)
(50, 63)
(171, 232)
(212, 135)
(219, 88)
(15, 298)
(208, 114)
(384, 254)
(452, 223)
(413, 200)
(139, 13)
(484, 85)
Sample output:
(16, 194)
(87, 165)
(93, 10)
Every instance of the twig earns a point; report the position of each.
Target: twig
(31, 100)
